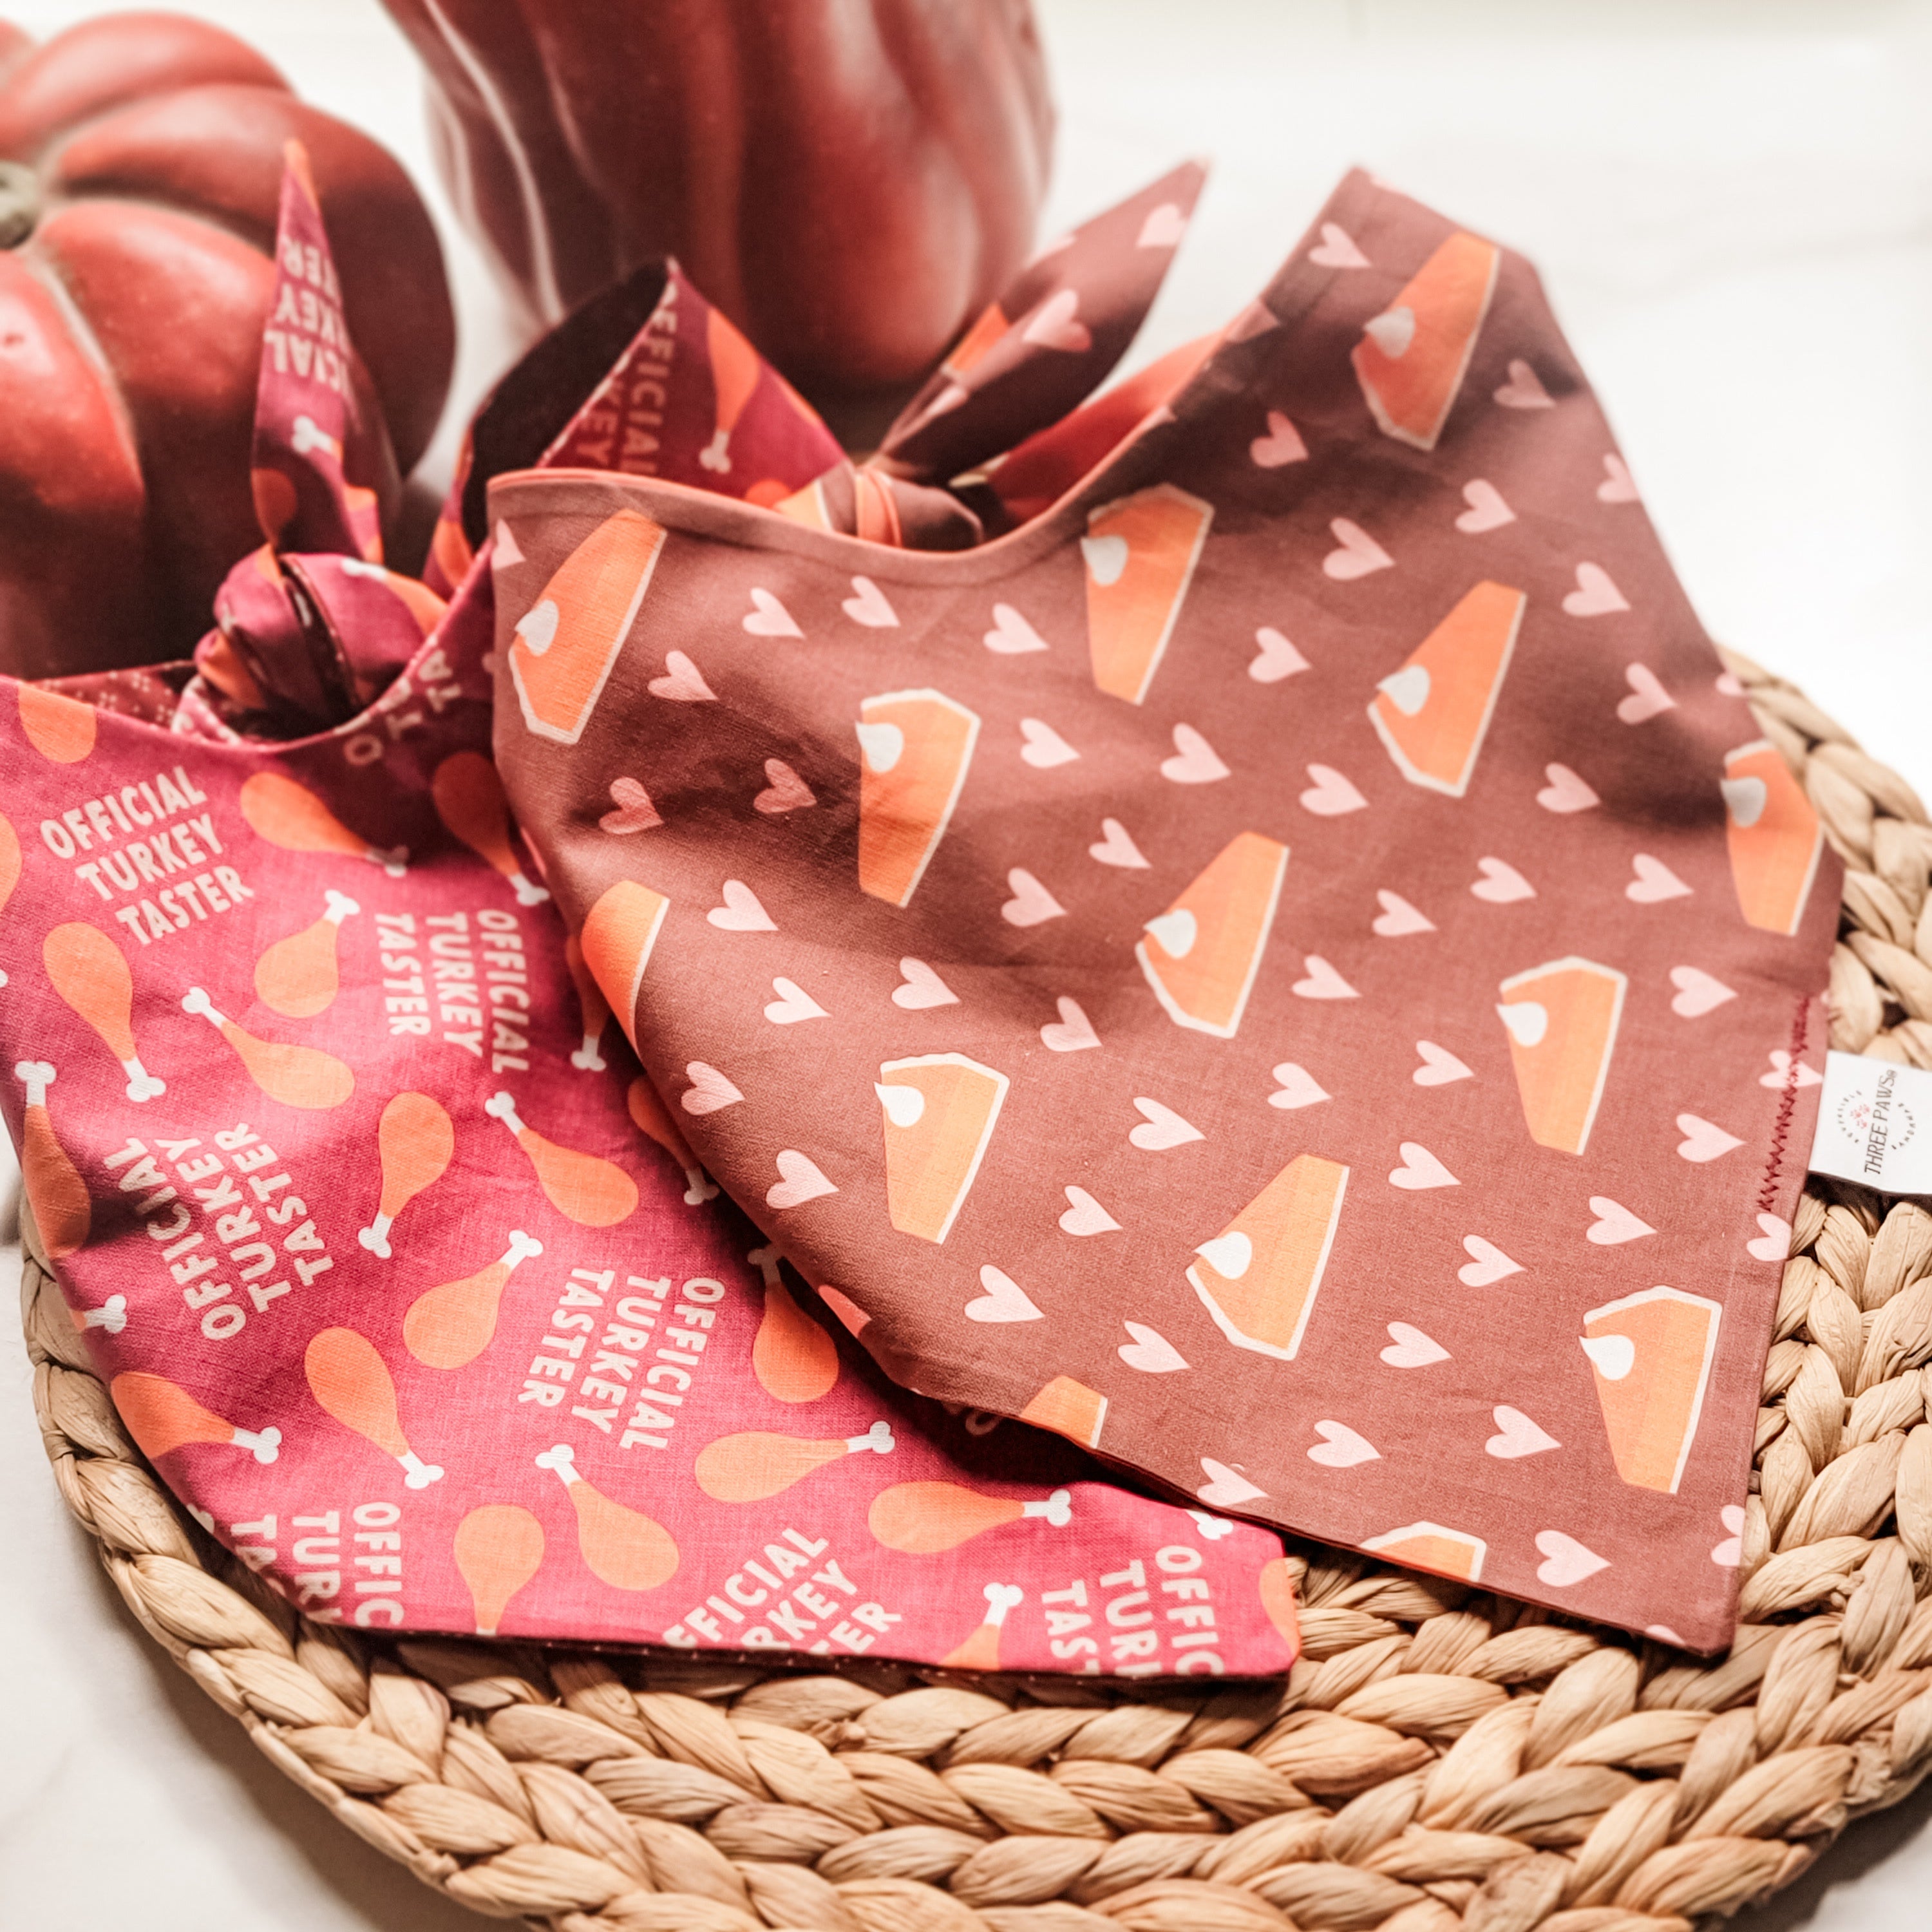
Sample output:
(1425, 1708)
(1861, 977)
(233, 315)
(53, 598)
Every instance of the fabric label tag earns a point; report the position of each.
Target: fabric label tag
(1875, 1124)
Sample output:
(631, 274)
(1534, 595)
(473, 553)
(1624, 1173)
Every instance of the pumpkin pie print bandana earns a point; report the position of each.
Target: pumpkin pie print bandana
(403, 1276)
(1291, 966)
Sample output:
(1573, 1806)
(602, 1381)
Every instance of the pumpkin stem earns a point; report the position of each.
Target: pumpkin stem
(19, 203)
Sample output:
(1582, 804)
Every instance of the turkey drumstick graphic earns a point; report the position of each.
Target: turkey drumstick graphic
(162, 1417)
(619, 1547)
(298, 976)
(793, 1358)
(62, 1211)
(923, 1519)
(592, 1003)
(747, 1468)
(650, 1117)
(414, 1141)
(88, 972)
(582, 1187)
(111, 1317)
(981, 1651)
(498, 1549)
(451, 1325)
(469, 801)
(286, 814)
(352, 1381)
(298, 1076)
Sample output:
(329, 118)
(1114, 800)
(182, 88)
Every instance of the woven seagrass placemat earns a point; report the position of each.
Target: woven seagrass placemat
(1439, 1759)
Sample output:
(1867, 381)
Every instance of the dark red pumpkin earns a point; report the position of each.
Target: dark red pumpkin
(849, 181)
(141, 160)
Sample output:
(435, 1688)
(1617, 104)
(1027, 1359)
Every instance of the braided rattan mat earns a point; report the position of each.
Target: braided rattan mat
(1439, 1759)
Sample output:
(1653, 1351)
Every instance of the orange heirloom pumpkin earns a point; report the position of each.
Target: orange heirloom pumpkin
(141, 159)
(851, 181)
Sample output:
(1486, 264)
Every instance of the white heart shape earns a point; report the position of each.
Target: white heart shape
(1398, 916)
(784, 790)
(1072, 1032)
(1392, 331)
(1163, 228)
(1053, 325)
(506, 550)
(1745, 799)
(1411, 1348)
(868, 605)
(1407, 689)
(1043, 747)
(1341, 1447)
(1517, 1436)
(1420, 1168)
(1297, 1088)
(1283, 444)
(709, 1089)
(1697, 993)
(1117, 848)
(1336, 249)
(1487, 511)
(1654, 881)
(1011, 635)
(1085, 1216)
(1595, 596)
(682, 682)
(1566, 1561)
(1614, 1223)
(1230, 1255)
(1439, 1066)
(1331, 794)
(1320, 981)
(1730, 1553)
(1703, 1140)
(1774, 1244)
(1226, 1488)
(921, 988)
(881, 745)
(741, 911)
(1358, 554)
(1524, 390)
(1612, 1356)
(1194, 761)
(768, 618)
(1161, 1127)
(1527, 1020)
(1501, 884)
(537, 627)
(1004, 1299)
(1565, 791)
(1176, 932)
(905, 1106)
(1783, 1074)
(1487, 1263)
(1648, 697)
(1618, 486)
(1150, 1352)
(1278, 658)
(800, 1181)
(793, 1004)
(1031, 902)
(1106, 557)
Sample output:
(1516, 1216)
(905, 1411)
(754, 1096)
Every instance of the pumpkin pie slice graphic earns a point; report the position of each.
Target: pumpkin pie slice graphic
(914, 747)
(940, 1110)
(1201, 954)
(1651, 1354)
(564, 644)
(1433, 713)
(1562, 1023)
(1412, 357)
(1774, 837)
(618, 932)
(1428, 1546)
(1140, 553)
(1259, 1276)
(1069, 1408)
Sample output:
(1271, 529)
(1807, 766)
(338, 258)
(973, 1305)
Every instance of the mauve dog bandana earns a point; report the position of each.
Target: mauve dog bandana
(1288, 963)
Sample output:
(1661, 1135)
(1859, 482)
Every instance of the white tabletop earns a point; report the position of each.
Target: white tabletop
(1728, 200)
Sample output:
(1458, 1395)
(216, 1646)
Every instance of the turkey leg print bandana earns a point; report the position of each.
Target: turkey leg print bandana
(1292, 966)
(393, 1261)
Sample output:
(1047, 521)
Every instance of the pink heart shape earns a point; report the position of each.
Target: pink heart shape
(1655, 881)
(1358, 553)
(1774, 1244)
(1161, 1127)
(1487, 511)
(1226, 1488)
(800, 1179)
(786, 791)
(709, 1089)
(1283, 444)
(1150, 1350)
(1011, 635)
(1614, 1223)
(682, 682)
(1487, 1263)
(1565, 1560)
(1420, 1169)
(1031, 903)
(1004, 1299)
(1595, 595)
(768, 618)
(1565, 791)
(1524, 390)
(1085, 1216)
(1648, 697)
(1053, 325)
(1439, 1066)
(1072, 1033)
(741, 911)
(1195, 761)
(1341, 1447)
(1618, 486)
(1697, 993)
(1277, 658)
(1320, 981)
(1516, 1435)
(1117, 848)
(1501, 884)
(1703, 1140)
(1412, 1349)
(921, 988)
(1331, 794)
(634, 811)
(1336, 249)
(868, 605)
(1397, 917)
(1296, 1087)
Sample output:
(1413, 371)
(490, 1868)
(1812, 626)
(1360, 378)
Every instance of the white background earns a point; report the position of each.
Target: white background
(1731, 202)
